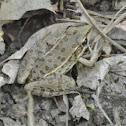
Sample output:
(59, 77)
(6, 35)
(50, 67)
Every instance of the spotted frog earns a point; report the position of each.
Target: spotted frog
(45, 69)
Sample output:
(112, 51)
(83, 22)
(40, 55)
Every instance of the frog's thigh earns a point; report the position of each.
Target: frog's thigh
(51, 83)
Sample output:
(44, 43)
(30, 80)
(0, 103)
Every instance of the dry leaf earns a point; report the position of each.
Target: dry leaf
(11, 69)
(92, 77)
(42, 122)
(79, 109)
(10, 122)
(14, 9)
(55, 112)
(89, 77)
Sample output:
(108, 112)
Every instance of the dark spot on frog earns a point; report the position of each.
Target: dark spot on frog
(32, 64)
(42, 60)
(62, 59)
(36, 66)
(46, 68)
(33, 71)
(49, 60)
(65, 39)
(63, 49)
(34, 79)
(55, 65)
(50, 54)
(40, 52)
(41, 72)
(38, 78)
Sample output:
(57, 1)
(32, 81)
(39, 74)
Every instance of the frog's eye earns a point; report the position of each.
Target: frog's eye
(85, 42)
(71, 30)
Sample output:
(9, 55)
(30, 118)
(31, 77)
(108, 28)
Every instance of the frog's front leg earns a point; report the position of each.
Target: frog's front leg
(94, 57)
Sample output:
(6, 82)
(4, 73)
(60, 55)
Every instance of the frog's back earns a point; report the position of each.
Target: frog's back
(60, 54)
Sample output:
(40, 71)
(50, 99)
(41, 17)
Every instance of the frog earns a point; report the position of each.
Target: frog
(45, 69)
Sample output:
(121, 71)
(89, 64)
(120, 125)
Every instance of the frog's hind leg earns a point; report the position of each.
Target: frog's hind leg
(50, 86)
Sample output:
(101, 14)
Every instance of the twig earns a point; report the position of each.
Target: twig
(101, 94)
(30, 110)
(105, 36)
(65, 99)
(116, 15)
(69, 20)
(24, 27)
(116, 116)
(61, 5)
(101, 109)
(98, 14)
(111, 24)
